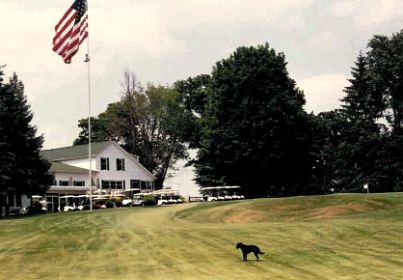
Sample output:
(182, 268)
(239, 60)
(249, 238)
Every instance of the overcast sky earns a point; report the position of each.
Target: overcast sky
(164, 41)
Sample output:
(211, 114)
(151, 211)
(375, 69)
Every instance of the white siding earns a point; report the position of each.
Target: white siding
(133, 169)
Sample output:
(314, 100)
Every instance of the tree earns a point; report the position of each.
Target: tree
(22, 169)
(194, 97)
(328, 134)
(361, 102)
(385, 63)
(362, 106)
(150, 122)
(254, 128)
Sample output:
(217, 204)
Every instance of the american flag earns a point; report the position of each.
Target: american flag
(71, 30)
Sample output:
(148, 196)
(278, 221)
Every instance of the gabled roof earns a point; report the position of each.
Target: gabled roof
(78, 151)
(81, 151)
(61, 167)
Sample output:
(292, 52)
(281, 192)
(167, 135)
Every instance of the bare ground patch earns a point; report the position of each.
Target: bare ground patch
(334, 211)
(246, 216)
(294, 213)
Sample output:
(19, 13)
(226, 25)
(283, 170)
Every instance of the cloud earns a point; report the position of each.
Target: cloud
(56, 134)
(230, 12)
(326, 39)
(366, 13)
(323, 92)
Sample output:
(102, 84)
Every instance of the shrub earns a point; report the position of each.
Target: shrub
(118, 203)
(109, 204)
(150, 200)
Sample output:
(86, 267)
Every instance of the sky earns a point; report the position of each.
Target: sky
(165, 41)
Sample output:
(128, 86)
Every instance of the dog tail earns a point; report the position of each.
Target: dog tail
(262, 253)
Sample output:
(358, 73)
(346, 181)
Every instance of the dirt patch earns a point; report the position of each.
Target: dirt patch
(246, 216)
(337, 210)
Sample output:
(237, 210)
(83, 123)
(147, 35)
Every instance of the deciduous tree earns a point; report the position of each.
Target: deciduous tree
(254, 127)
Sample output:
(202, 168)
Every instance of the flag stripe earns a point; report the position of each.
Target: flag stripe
(66, 25)
(68, 36)
(75, 41)
(71, 31)
(63, 18)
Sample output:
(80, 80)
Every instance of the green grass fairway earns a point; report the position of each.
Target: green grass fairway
(322, 237)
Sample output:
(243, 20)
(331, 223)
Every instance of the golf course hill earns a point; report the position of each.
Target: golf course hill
(339, 236)
(293, 209)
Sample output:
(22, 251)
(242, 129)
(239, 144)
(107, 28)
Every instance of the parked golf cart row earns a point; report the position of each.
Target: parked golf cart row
(167, 196)
(159, 197)
(224, 197)
(221, 193)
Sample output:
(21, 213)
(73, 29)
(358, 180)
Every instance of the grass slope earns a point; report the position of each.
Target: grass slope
(323, 237)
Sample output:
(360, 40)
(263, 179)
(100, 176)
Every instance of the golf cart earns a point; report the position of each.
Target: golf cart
(220, 193)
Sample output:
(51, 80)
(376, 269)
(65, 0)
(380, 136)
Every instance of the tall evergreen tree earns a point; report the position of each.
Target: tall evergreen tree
(22, 170)
(361, 101)
(362, 106)
(254, 127)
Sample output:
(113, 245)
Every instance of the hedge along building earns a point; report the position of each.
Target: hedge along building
(114, 170)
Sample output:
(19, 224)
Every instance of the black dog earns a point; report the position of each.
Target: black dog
(246, 249)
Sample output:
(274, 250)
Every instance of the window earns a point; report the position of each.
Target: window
(134, 184)
(142, 185)
(79, 183)
(112, 185)
(149, 185)
(146, 185)
(120, 164)
(63, 183)
(104, 163)
(104, 184)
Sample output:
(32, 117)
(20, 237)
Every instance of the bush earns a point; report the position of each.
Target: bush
(150, 200)
(109, 204)
(118, 203)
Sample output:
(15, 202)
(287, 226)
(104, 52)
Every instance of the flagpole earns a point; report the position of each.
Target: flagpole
(87, 60)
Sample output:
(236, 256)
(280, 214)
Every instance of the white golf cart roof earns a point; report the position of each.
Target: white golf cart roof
(220, 188)
(165, 191)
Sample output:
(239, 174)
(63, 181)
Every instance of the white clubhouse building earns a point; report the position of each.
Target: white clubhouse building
(113, 170)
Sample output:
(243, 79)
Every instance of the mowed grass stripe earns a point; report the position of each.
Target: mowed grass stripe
(322, 237)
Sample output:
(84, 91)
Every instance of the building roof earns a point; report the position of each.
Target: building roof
(61, 167)
(72, 152)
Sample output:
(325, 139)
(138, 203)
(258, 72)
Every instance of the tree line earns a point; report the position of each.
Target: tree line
(248, 123)
(246, 120)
